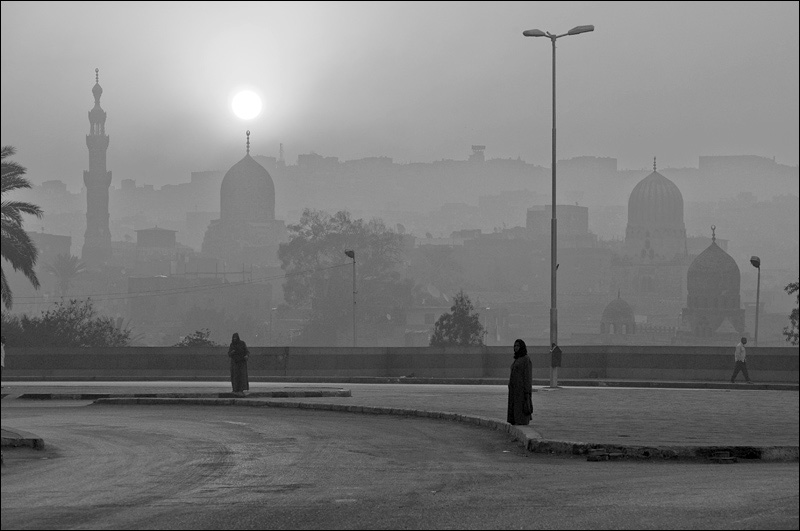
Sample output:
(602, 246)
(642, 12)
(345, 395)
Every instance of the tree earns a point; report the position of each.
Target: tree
(460, 327)
(65, 267)
(17, 247)
(791, 332)
(69, 324)
(319, 277)
(198, 338)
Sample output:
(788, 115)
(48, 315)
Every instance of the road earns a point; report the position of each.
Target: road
(225, 467)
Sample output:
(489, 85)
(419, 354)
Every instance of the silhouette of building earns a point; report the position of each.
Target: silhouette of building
(655, 231)
(618, 318)
(713, 283)
(97, 239)
(246, 231)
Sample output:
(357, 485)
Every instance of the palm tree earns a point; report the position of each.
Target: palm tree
(17, 247)
(65, 267)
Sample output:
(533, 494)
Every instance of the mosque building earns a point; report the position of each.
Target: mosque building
(652, 263)
(713, 283)
(246, 233)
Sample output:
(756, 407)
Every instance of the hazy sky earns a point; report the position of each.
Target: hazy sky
(417, 82)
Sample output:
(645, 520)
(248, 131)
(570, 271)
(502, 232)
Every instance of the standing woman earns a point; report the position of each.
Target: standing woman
(520, 402)
(238, 354)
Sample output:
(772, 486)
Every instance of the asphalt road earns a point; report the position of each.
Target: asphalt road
(178, 467)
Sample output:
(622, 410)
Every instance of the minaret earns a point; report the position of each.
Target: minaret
(97, 240)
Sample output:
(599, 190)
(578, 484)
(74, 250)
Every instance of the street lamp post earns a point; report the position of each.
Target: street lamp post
(352, 254)
(553, 223)
(756, 261)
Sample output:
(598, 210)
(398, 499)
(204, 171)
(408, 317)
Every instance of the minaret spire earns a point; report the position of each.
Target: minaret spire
(97, 240)
(248, 141)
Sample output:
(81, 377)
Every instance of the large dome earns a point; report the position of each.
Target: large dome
(247, 193)
(655, 202)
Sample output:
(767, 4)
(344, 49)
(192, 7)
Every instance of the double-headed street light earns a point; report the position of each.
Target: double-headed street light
(756, 261)
(553, 227)
(352, 254)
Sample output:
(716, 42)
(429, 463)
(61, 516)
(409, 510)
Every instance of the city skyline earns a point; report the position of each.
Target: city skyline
(452, 84)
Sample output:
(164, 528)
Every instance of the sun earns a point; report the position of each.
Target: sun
(246, 105)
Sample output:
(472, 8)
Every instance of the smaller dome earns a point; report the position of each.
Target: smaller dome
(618, 311)
(97, 90)
(715, 262)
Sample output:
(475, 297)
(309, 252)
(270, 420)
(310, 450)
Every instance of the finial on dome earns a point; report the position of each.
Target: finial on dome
(713, 234)
(618, 295)
(248, 141)
(97, 75)
(654, 164)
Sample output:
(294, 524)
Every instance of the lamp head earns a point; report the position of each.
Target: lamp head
(580, 29)
(350, 253)
(756, 261)
(534, 33)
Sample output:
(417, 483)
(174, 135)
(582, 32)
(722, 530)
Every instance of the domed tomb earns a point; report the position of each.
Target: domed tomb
(655, 230)
(247, 193)
(246, 231)
(713, 286)
(618, 318)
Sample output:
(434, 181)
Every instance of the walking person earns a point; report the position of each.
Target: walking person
(520, 383)
(741, 361)
(238, 354)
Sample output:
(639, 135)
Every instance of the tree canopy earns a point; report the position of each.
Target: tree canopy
(198, 338)
(319, 276)
(460, 327)
(65, 267)
(16, 246)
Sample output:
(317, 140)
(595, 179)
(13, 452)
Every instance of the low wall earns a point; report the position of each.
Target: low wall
(765, 364)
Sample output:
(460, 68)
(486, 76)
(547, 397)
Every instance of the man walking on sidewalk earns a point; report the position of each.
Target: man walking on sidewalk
(741, 363)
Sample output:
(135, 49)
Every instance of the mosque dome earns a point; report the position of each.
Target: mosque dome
(247, 193)
(618, 311)
(713, 279)
(655, 202)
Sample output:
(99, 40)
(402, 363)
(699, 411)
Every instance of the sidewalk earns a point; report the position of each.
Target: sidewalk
(748, 421)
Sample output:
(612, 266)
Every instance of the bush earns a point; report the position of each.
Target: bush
(68, 324)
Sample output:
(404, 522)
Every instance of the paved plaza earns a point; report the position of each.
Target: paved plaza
(762, 423)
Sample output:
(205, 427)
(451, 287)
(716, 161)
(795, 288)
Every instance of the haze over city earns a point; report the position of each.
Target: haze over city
(417, 82)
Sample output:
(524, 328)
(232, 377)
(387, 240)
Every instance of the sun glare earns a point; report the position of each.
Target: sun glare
(246, 105)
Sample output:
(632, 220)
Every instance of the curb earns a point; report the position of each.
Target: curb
(322, 393)
(16, 438)
(526, 435)
(564, 382)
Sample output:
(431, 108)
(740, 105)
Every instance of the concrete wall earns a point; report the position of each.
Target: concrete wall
(766, 364)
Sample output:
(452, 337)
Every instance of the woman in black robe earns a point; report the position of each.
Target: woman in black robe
(520, 402)
(238, 354)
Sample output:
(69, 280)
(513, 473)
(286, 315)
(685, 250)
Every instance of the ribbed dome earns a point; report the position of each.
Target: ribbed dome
(618, 311)
(655, 202)
(247, 193)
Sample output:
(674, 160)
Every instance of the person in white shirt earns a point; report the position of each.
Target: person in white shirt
(741, 364)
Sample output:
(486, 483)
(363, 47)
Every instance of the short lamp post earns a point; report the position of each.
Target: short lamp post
(553, 223)
(352, 254)
(756, 261)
